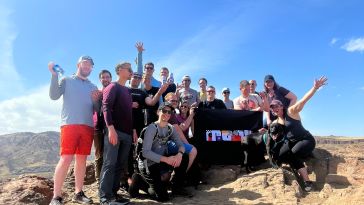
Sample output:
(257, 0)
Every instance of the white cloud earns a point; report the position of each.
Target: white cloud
(9, 77)
(334, 41)
(34, 112)
(354, 45)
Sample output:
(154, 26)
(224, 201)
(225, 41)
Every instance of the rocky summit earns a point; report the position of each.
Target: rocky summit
(337, 170)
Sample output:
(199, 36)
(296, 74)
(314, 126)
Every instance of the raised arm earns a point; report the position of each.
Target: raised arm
(140, 48)
(152, 101)
(298, 106)
(56, 89)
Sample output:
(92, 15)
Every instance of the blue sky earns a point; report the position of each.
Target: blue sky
(224, 41)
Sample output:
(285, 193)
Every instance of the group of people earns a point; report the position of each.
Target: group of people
(115, 117)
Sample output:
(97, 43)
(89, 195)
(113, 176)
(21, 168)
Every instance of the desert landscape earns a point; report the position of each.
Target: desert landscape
(337, 168)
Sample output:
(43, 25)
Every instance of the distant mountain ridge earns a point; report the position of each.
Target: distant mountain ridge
(38, 153)
(27, 152)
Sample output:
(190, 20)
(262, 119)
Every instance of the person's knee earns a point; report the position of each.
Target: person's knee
(65, 159)
(193, 152)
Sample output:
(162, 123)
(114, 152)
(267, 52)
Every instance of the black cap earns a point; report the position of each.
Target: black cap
(269, 77)
(165, 104)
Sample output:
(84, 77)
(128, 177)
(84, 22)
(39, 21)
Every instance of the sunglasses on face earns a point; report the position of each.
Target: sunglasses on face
(210, 91)
(149, 68)
(166, 111)
(137, 77)
(226, 92)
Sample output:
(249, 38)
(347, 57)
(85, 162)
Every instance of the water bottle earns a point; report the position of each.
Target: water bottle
(58, 69)
(164, 80)
(171, 79)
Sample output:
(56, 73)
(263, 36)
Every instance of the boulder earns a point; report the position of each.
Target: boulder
(26, 189)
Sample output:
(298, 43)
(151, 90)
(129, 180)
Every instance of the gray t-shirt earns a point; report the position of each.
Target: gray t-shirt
(190, 95)
(229, 104)
(153, 150)
(77, 107)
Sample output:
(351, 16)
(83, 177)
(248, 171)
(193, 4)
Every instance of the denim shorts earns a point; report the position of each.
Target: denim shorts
(173, 149)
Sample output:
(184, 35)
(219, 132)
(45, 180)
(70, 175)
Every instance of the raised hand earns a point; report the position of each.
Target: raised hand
(320, 82)
(140, 46)
(50, 67)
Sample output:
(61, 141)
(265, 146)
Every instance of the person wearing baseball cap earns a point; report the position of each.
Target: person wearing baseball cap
(80, 100)
(300, 142)
(158, 160)
(226, 94)
(275, 92)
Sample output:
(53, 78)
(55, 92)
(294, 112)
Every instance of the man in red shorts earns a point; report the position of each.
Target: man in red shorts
(79, 101)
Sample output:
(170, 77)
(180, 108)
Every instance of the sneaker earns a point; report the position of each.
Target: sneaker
(81, 198)
(57, 201)
(181, 192)
(308, 185)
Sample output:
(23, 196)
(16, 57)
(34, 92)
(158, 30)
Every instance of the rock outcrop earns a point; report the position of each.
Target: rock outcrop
(336, 169)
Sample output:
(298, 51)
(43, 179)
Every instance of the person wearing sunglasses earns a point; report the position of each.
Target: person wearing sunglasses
(158, 160)
(148, 67)
(117, 109)
(226, 94)
(211, 101)
(190, 149)
(300, 142)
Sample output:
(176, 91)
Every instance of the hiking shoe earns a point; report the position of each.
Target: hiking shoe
(57, 201)
(80, 197)
(308, 185)
(181, 192)
(134, 186)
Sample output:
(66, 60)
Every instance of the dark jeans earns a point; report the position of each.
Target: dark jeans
(157, 187)
(99, 149)
(115, 158)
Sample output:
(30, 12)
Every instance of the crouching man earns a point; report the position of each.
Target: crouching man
(154, 163)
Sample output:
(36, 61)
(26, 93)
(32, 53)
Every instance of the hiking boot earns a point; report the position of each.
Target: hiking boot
(181, 192)
(308, 186)
(81, 198)
(57, 201)
(134, 186)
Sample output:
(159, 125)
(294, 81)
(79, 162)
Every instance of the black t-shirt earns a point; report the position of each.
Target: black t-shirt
(138, 96)
(151, 111)
(171, 88)
(215, 104)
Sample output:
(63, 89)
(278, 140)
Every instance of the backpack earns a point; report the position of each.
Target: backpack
(139, 146)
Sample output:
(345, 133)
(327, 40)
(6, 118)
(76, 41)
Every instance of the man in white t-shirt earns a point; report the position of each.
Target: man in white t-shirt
(250, 101)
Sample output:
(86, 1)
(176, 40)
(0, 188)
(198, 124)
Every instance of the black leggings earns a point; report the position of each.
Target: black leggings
(293, 152)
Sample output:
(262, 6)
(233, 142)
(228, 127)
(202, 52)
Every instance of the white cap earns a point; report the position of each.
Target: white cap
(225, 89)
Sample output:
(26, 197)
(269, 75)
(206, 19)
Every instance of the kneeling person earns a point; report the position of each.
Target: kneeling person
(155, 161)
